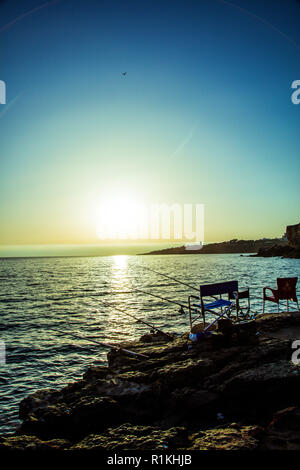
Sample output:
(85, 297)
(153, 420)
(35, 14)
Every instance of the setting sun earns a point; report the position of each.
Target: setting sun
(121, 217)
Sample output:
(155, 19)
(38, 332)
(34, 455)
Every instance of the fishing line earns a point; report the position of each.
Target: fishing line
(169, 277)
(137, 319)
(105, 345)
(153, 295)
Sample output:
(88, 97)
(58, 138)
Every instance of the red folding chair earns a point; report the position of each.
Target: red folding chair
(286, 290)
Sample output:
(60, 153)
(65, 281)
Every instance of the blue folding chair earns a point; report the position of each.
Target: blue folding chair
(218, 306)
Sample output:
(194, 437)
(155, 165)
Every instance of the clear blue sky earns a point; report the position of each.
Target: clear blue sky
(204, 114)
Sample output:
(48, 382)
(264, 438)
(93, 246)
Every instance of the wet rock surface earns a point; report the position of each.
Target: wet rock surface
(236, 389)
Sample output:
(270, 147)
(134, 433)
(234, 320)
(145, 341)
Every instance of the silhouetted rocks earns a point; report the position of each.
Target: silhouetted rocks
(292, 250)
(265, 247)
(236, 389)
(231, 246)
(293, 235)
(276, 250)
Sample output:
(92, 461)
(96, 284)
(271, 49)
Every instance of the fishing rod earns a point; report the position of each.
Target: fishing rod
(105, 345)
(153, 295)
(164, 298)
(171, 278)
(137, 319)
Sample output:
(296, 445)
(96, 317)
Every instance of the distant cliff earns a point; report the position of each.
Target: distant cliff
(293, 235)
(231, 246)
(292, 248)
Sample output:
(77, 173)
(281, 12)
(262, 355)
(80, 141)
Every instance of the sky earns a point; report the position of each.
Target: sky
(204, 114)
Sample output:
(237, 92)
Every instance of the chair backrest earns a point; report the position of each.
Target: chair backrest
(287, 287)
(219, 288)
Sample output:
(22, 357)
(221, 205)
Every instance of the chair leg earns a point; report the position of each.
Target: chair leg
(278, 307)
(263, 306)
(190, 314)
(287, 304)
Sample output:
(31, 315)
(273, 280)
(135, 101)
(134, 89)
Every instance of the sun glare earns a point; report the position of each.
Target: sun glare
(120, 261)
(121, 218)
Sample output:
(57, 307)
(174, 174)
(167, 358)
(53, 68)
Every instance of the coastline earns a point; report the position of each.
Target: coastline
(235, 390)
(227, 247)
(286, 247)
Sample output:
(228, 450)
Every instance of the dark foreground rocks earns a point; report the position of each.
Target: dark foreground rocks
(237, 389)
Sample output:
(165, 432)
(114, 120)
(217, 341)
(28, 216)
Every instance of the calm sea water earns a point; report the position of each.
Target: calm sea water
(42, 299)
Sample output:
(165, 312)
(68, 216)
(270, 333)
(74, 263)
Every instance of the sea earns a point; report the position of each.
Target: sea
(52, 307)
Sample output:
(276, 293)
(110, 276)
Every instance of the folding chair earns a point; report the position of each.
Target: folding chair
(286, 290)
(211, 290)
(242, 312)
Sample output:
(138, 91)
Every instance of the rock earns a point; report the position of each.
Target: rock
(188, 372)
(290, 250)
(293, 235)
(277, 250)
(94, 413)
(32, 443)
(263, 389)
(225, 326)
(231, 246)
(49, 422)
(283, 433)
(189, 405)
(227, 438)
(128, 437)
(95, 373)
(38, 400)
(154, 337)
(85, 415)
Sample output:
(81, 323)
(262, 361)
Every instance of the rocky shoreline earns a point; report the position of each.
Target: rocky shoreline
(227, 247)
(286, 247)
(237, 389)
(278, 250)
(291, 250)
